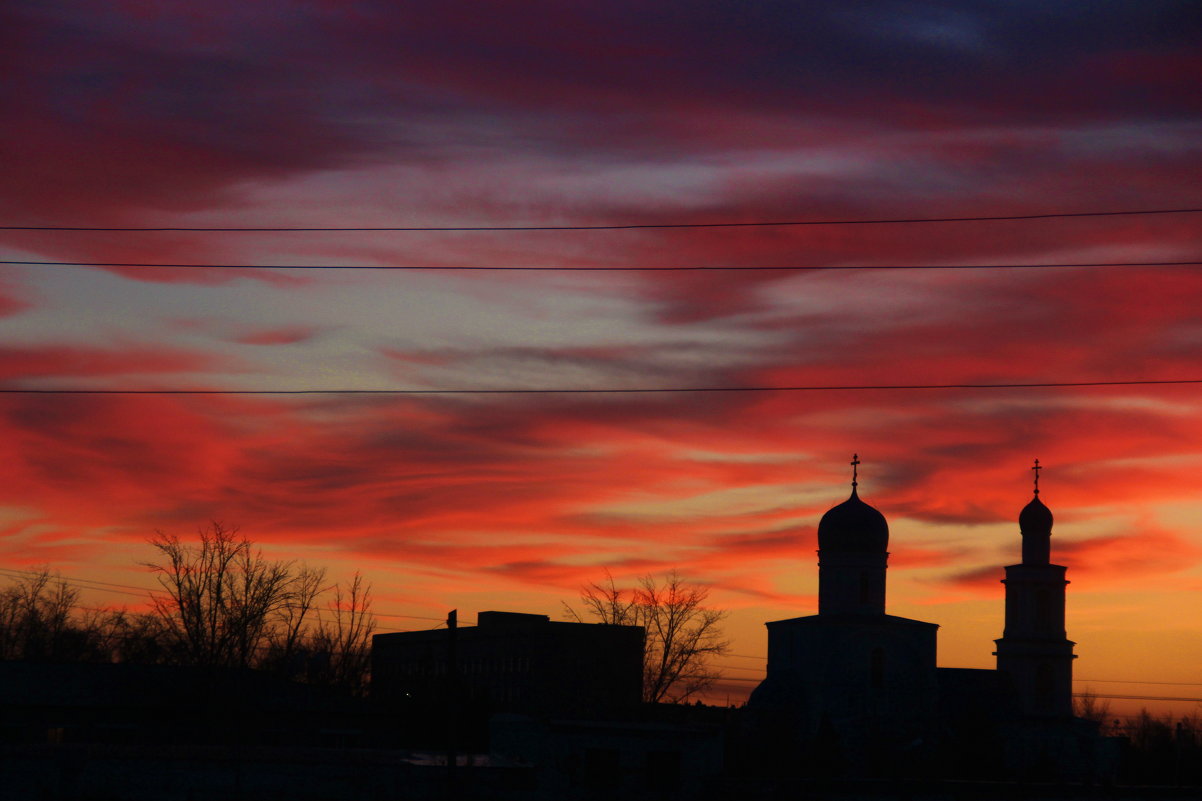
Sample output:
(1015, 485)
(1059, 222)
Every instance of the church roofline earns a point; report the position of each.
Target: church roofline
(845, 620)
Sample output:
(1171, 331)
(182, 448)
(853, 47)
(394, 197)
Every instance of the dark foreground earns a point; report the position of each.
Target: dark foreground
(220, 773)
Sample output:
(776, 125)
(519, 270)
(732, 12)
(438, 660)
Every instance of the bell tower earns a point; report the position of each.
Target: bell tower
(1033, 649)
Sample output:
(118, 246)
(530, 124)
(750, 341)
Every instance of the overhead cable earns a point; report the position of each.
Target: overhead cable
(612, 391)
(617, 227)
(148, 593)
(602, 269)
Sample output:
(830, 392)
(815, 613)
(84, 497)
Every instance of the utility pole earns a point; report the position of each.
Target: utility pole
(452, 701)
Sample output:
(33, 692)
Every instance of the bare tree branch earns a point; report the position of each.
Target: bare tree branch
(682, 633)
(221, 597)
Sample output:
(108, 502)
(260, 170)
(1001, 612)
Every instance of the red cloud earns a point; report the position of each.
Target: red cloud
(288, 335)
(775, 127)
(10, 304)
(532, 491)
(987, 579)
(1103, 562)
(1149, 551)
(74, 360)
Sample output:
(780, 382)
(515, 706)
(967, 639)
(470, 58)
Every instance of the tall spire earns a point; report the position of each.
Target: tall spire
(1035, 523)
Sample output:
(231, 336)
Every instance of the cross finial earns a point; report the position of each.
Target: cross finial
(1036, 468)
(855, 473)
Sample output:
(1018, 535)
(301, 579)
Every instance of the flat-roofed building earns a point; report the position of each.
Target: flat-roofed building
(512, 662)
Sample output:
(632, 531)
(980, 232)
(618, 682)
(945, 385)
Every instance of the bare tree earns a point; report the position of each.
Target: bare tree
(41, 619)
(222, 604)
(222, 597)
(295, 615)
(226, 605)
(344, 641)
(36, 618)
(136, 637)
(1088, 706)
(682, 633)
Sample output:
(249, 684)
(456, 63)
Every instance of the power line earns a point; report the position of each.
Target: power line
(407, 617)
(58, 577)
(148, 593)
(494, 268)
(610, 391)
(298, 637)
(1075, 681)
(631, 226)
(1135, 697)
(1134, 681)
(143, 593)
(760, 669)
(1075, 695)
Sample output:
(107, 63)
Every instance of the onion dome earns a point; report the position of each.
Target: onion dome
(853, 527)
(1035, 518)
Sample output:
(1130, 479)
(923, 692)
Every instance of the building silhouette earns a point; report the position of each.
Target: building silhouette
(855, 691)
(1033, 650)
(514, 663)
(851, 682)
(561, 701)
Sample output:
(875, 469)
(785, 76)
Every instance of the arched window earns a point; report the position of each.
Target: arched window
(876, 669)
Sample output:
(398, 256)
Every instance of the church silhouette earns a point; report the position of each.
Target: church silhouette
(855, 691)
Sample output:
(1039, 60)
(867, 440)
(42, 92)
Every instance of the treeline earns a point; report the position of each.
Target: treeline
(1157, 749)
(221, 604)
(1161, 749)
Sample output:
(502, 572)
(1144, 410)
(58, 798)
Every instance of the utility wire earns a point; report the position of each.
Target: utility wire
(633, 226)
(493, 268)
(145, 592)
(614, 391)
(724, 679)
(58, 577)
(83, 584)
(407, 617)
(1075, 695)
(760, 670)
(1136, 681)
(1136, 697)
(148, 593)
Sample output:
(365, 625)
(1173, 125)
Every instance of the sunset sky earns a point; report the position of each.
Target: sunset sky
(382, 114)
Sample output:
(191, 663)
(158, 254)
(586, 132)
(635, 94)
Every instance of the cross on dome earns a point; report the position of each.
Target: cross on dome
(855, 473)
(1036, 468)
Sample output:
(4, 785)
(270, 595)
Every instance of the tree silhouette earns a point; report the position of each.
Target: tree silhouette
(41, 619)
(35, 617)
(682, 633)
(222, 604)
(226, 605)
(287, 640)
(344, 640)
(222, 597)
